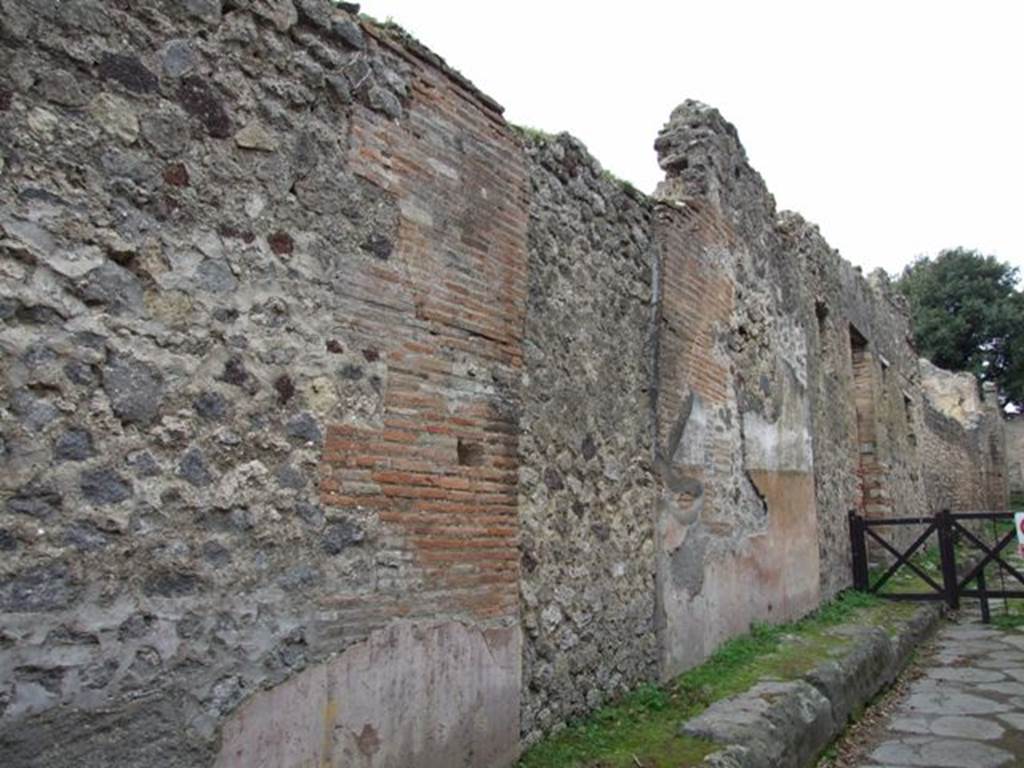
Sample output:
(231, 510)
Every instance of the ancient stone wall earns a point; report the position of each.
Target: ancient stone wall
(737, 521)
(342, 422)
(586, 487)
(964, 443)
(865, 391)
(1015, 455)
(263, 276)
(788, 395)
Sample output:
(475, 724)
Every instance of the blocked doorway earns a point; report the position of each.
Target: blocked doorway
(872, 498)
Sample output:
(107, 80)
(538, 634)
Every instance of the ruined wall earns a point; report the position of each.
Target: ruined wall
(341, 422)
(965, 443)
(865, 391)
(586, 487)
(1015, 455)
(263, 279)
(788, 395)
(737, 521)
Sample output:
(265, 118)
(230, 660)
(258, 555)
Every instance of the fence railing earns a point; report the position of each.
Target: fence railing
(948, 529)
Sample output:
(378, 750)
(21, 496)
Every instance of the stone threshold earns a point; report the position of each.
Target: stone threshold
(788, 724)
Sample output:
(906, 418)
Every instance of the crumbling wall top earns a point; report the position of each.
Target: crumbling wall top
(701, 154)
(396, 35)
(953, 394)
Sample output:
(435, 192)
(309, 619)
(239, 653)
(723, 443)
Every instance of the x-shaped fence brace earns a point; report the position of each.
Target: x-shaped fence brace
(991, 555)
(904, 559)
(946, 526)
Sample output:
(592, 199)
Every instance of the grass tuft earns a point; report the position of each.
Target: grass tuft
(533, 134)
(621, 183)
(642, 727)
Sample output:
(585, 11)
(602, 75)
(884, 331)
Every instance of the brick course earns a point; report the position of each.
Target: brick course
(453, 347)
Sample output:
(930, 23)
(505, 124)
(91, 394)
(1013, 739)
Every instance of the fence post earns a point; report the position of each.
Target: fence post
(859, 551)
(947, 553)
(986, 616)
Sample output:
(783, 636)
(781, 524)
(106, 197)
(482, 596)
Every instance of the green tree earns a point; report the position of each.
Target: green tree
(969, 316)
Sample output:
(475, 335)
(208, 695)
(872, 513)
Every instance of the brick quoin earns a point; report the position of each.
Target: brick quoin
(441, 468)
(697, 302)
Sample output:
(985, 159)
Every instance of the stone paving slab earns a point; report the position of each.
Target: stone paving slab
(966, 711)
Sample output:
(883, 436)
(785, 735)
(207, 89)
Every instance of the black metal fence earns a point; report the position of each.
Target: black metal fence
(948, 529)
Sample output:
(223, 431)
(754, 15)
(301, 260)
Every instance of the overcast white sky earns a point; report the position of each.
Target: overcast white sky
(897, 127)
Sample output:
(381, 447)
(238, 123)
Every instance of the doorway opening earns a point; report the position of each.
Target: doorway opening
(872, 501)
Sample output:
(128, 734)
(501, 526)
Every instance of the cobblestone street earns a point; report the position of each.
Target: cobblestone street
(965, 711)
